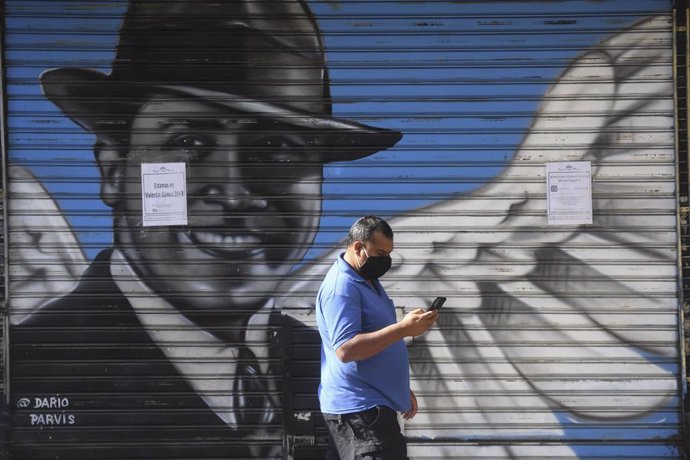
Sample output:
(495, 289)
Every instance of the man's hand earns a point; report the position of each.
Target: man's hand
(418, 321)
(413, 409)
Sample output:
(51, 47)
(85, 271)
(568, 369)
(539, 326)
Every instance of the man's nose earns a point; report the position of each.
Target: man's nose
(227, 187)
(232, 196)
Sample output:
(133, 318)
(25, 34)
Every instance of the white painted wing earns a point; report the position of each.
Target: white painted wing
(540, 325)
(45, 258)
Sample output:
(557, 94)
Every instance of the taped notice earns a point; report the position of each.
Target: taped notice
(569, 193)
(163, 194)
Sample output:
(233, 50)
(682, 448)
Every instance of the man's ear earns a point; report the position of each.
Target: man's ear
(112, 168)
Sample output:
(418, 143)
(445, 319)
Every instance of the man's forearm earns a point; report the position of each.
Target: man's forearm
(367, 344)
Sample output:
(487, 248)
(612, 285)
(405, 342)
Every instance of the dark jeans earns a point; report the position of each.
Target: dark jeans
(373, 434)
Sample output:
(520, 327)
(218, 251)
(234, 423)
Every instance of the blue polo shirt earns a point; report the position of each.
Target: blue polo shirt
(345, 306)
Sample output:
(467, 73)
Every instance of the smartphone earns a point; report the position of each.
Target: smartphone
(436, 304)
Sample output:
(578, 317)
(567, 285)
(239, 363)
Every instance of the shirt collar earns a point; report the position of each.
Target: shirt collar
(194, 352)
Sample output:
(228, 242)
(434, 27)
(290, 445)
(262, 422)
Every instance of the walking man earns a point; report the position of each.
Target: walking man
(365, 376)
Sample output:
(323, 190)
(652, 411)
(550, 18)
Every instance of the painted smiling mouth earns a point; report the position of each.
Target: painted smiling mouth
(222, 244)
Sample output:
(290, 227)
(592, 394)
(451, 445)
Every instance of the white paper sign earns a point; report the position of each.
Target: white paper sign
(163, 194)
(569, 192)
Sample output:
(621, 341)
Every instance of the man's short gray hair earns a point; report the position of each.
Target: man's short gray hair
(363, 230)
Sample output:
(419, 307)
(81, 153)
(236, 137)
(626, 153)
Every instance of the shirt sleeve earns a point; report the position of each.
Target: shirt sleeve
(343, 317)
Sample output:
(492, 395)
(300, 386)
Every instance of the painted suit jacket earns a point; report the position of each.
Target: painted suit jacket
(87, 382)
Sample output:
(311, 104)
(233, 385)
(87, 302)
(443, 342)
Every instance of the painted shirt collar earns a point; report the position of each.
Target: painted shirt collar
(194, 352)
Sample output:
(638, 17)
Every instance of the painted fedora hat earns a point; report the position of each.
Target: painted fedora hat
(260, 57)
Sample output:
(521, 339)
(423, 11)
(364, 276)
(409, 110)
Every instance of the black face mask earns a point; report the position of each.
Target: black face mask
(375, 266)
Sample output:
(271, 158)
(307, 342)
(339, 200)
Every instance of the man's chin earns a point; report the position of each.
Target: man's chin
(227, 325)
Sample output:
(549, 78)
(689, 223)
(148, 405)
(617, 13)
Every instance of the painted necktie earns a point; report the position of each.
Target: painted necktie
(251, 399)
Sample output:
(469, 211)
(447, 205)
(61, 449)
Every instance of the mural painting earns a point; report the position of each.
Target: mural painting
(129, 341)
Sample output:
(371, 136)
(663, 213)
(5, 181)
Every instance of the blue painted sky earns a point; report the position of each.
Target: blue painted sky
(461, 80)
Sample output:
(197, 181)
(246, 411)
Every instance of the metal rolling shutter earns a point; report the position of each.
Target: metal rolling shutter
(556, 341)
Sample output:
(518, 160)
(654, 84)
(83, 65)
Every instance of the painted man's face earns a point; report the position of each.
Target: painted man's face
(254, 201)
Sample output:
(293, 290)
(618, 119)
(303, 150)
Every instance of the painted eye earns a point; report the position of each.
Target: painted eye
(191, 141)
(278, 149)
